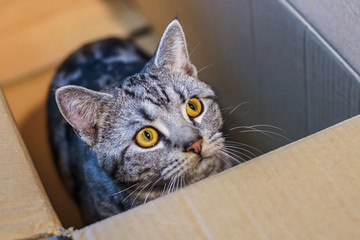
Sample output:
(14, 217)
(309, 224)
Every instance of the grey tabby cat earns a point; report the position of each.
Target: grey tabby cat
(126, 129)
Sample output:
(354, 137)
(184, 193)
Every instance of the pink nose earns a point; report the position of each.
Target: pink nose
(195, 147)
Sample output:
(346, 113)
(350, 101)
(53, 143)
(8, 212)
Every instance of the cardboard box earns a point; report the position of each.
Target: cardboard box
(25, 211)
(303, 79)
(308, 189)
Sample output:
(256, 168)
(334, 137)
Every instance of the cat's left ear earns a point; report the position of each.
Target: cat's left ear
(172, 50)
(82, 108)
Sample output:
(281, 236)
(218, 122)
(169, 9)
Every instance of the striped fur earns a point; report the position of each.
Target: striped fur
(109, 90)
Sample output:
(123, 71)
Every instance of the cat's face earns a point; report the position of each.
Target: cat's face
(161, 127)
(154, 109)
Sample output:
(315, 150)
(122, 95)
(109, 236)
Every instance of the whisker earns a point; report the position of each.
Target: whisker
(170, 185)
(151, 188)
(180, 182)
(243, 144)
(235, 149)
(207, 66)
(234, 109)
(131, 194)
(164, 189)
(270, 126)
(267, 133)
(177, 183)
(226, 136)
(174, 185)
(232, 157)
(239, 105)
(224, 160)
(238, 147)
(224, 109)
(136, 190)
(137, 195)
(262, 131)
(124, 189)
(235, 155)
(193, 50)
(259, 131)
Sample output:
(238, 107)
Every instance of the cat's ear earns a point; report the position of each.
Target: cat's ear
(81, 107)
(172, 50)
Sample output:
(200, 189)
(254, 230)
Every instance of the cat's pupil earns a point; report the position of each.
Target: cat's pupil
(192, 106)
(147, 135)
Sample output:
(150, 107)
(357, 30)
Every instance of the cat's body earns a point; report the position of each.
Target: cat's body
(142, 129)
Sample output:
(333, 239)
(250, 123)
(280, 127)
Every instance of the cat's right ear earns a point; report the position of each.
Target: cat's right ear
(81, 108)
(172, 51)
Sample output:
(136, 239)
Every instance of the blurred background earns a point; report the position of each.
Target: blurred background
(278, 67)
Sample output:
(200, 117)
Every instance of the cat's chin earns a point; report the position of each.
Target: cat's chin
(206, 166)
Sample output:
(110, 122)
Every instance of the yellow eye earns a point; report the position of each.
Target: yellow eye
(147, 137)
(193, 107)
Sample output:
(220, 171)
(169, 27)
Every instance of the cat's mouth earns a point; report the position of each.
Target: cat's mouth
(184, 167)
(179, 178)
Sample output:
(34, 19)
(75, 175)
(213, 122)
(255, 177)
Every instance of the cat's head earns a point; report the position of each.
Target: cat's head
(162, 124)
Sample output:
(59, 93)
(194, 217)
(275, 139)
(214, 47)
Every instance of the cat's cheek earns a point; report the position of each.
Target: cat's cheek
(210, 123)
(211, 149)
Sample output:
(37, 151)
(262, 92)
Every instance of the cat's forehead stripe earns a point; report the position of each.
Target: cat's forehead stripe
(180, 93)
(134, 94)
(129, 93)
(155, 93)
(158, 93)
(147, 116)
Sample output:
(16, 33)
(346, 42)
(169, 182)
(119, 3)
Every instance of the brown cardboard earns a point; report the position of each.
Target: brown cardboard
(25, 211)
(309, 189)
(27, 102)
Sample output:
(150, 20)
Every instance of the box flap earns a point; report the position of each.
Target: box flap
(25, 211)
(307, 190)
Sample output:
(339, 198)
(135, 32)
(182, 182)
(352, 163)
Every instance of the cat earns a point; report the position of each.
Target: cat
(126, 128)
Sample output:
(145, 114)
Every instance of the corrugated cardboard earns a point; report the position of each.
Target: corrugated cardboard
(338, 21)
(25, 211)
(307, 190)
